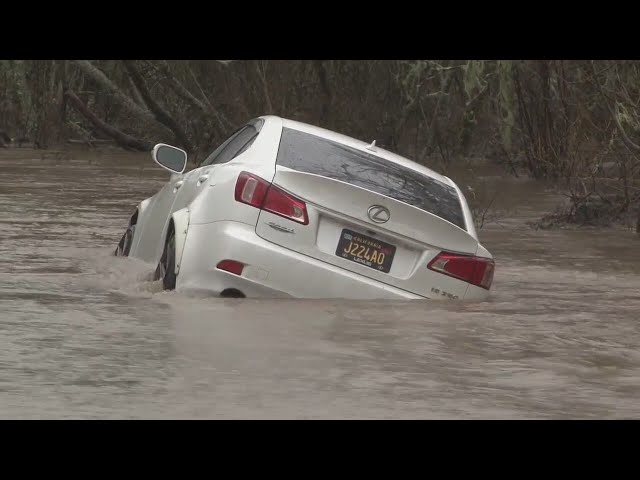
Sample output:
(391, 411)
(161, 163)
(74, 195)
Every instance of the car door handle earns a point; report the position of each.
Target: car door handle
(178, 184)
(202, 179)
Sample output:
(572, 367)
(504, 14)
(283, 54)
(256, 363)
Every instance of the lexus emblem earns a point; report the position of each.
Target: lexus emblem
(379, 214)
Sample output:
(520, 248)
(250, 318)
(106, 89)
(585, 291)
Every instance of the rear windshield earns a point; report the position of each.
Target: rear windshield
(312, 154)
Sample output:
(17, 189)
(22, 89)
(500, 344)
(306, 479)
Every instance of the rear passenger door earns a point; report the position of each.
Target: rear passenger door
(205, 175)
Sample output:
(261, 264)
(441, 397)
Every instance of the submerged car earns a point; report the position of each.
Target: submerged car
(283, 208)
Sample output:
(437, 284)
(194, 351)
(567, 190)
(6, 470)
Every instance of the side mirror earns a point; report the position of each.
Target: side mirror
(169, 157)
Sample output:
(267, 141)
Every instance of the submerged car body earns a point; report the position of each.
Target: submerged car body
(283, 208)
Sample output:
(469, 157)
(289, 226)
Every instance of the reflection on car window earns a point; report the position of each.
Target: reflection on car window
(240, 141)
(247, 145)
(312, 154)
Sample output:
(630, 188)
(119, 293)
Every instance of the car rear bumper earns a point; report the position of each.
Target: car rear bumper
(270, 270)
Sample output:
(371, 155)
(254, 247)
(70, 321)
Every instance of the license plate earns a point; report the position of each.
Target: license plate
(366, 250)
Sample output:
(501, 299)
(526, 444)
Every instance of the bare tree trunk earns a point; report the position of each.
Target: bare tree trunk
(262, 73)
(97, 75)
(220, 117)
(183, 92)
(121, 138)
(324, 85)
(180, 90)
(4, 139)
(136, 94)
(161, 115)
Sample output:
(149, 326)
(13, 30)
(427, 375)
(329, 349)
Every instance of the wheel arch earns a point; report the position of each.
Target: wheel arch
(141, 209)
(138, 219)
(179, 222)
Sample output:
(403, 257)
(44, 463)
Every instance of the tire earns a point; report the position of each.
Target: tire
(124, 247)
(166, 269)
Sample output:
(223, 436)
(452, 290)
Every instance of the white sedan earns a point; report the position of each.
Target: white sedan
(283, 208)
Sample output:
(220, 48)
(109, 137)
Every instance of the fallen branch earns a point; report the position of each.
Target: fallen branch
(98, 76)
(220, 117)
(484, 213)
(180, 90)
(159, 113)
(121, 138)
(91, 142)
(187, 96)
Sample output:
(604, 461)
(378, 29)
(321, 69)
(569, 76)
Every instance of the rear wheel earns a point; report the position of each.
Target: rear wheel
(166, 269)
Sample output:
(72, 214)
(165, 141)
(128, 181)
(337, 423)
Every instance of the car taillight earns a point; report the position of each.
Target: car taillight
(285, 205)
(259, 193)
(475, 270)
(251, 189)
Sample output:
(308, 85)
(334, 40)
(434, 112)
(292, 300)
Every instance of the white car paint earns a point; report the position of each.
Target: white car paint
(286, 258)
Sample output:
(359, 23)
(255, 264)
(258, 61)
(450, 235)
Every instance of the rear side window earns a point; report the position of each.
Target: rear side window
(312, 154)
(240, 141)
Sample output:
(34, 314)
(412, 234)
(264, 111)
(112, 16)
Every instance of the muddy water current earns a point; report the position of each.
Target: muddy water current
(86, 335)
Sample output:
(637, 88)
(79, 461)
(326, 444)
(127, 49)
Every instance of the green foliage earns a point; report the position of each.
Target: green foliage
(535, 111)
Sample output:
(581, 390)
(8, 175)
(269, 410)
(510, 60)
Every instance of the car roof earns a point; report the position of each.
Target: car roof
(359, 144)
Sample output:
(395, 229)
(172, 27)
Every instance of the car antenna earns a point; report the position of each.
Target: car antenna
(372, 147)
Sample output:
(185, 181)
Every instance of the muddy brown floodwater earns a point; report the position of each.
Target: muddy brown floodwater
(85, 335)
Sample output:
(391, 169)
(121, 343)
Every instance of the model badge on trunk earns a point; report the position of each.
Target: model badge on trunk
(281, 228)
